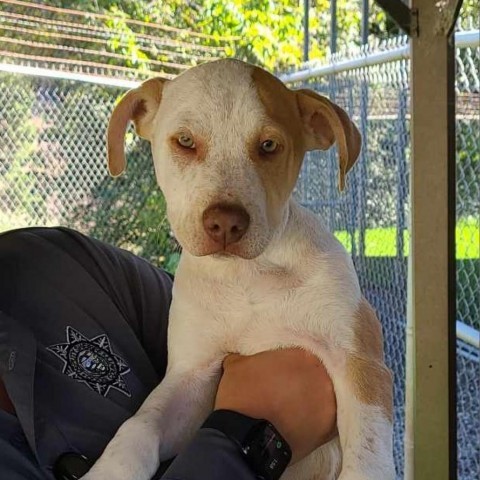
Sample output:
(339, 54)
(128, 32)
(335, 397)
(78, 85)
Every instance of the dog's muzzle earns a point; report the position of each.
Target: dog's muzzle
(225, 223)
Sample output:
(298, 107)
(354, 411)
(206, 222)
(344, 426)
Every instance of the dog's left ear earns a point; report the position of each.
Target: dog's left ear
(139, 106)
(325, 123)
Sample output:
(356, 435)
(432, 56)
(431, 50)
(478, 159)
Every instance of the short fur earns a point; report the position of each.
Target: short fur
(286, 283)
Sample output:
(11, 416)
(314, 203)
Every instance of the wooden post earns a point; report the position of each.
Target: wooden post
(432, 258)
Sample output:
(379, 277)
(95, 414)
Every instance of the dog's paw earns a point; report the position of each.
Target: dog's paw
(131, 455)
(127, 467)
(90, 476)
(119, 472)
(100, 474)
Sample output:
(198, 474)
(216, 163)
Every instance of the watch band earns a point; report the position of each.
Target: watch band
(262, 446)
(233, 424)
(71, 466)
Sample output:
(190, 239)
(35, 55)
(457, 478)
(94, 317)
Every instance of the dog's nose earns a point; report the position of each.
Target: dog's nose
(225, 223)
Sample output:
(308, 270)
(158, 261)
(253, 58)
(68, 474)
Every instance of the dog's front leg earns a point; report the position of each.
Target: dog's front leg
(166, 420)
(363, 388)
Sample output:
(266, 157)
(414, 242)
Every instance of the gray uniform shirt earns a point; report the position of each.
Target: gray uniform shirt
(82, 343)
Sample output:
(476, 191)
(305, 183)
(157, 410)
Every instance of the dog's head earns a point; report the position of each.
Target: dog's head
(228, 140)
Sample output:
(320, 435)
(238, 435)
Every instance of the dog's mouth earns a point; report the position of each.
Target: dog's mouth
(231, 251)
(215, 250)
(223, 255)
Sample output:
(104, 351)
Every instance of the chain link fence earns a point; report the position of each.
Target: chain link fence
(53, 167)
(372, 217)
(468, 263)
(52, 171)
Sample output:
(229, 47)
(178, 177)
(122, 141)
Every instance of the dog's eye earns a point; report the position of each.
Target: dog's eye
(186, 141)
(269, 146)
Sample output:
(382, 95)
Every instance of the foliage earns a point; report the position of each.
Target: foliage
(265, 32)
(18, 142)
(130, 211)
(468, 166)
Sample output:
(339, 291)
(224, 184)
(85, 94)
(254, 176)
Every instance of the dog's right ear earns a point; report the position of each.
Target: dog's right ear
(327, 123)
(139, 106)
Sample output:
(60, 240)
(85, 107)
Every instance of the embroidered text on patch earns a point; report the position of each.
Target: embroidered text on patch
(92, 362)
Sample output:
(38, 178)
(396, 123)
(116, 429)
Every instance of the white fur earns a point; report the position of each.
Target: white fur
(299, 290)
(206, 99)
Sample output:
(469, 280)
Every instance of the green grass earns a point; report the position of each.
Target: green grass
(381, 242)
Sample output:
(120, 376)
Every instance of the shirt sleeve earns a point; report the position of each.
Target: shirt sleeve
(210, 455)
(141, 292)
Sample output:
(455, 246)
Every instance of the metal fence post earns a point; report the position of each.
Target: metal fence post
(365, 15)
(333, 26)
(362, 224)
(306, 31)
(401, 183)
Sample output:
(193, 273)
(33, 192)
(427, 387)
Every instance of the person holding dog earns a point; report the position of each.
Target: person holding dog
(83, 341)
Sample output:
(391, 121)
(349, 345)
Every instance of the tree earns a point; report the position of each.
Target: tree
(264, 32)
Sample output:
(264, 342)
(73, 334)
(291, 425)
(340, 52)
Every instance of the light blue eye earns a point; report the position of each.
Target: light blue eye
(186, 141)
(269, 146)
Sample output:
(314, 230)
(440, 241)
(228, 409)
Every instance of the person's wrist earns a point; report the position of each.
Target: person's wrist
(265, 410)
(245, 412)
(267, 413)
(259, 443)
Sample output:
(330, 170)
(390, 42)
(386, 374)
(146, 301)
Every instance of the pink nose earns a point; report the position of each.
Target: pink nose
(225, 223)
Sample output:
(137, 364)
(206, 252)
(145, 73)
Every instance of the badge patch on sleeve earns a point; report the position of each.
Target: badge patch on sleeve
(92, 362)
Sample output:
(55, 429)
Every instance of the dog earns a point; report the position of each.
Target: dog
(258, 271)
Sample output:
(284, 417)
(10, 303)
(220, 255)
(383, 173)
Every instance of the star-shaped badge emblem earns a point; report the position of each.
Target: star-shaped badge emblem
(92, 362)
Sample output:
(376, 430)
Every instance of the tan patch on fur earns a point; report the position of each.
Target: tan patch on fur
(139, 111)
(368, 332)
(278, 171)
(372, 383)
(371, 379)
(139, 106)
(327, 123)
(149, 95)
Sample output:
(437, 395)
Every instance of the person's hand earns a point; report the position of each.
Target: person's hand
(289, 388)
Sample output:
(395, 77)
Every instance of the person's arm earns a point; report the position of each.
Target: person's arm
(289, 388)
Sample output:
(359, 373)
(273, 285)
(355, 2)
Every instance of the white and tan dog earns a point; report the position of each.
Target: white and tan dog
(257, 271)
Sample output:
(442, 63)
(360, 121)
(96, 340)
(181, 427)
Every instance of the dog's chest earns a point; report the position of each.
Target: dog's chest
(253, 313)
(256, 294)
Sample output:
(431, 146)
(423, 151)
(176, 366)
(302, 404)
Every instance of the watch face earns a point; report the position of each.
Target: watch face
(268, 453)
(71, 466)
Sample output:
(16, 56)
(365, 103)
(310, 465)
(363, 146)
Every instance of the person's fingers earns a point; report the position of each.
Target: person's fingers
(284, 353)
(288, 357)
(231, 358)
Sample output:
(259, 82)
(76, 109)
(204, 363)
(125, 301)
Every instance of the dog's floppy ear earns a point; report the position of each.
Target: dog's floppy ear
(139, 106)
(326, 123)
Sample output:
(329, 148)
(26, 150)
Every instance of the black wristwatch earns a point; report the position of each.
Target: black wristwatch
(264, 449)
(71, 466)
